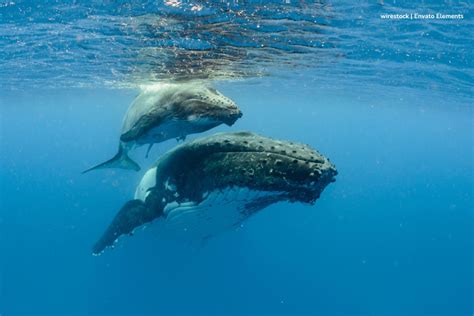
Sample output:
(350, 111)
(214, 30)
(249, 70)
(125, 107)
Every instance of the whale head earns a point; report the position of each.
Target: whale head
(248, 160)
(195, 102)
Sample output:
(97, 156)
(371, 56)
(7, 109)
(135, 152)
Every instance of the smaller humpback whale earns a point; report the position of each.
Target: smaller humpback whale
(213, 183)
(170, 111)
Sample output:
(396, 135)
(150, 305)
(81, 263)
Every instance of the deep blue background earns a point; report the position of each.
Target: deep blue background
(392, 236)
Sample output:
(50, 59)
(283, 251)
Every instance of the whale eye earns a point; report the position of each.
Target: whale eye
(213, 90)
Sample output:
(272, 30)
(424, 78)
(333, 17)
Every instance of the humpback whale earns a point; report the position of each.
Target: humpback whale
(213, 183)
(170, 111)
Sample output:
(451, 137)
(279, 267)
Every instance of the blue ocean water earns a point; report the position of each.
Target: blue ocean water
(388, 101)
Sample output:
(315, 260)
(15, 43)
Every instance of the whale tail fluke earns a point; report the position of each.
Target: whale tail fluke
(120, 160)
(132, 215)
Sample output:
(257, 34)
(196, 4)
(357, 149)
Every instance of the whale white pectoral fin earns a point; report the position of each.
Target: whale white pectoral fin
(120, 160)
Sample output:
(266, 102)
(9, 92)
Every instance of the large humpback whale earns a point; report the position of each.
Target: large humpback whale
(213, 183)
(170, 111)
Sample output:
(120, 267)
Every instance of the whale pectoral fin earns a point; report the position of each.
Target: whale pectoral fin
(144, 124)
(132, 215)
(120, 160)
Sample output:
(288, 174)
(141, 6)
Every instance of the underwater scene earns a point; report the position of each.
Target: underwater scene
(279, 157)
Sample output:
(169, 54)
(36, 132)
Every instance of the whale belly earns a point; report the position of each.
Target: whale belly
(220, 211)
(175, 129)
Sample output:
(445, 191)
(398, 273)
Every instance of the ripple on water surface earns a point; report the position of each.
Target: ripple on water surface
(59, 44)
